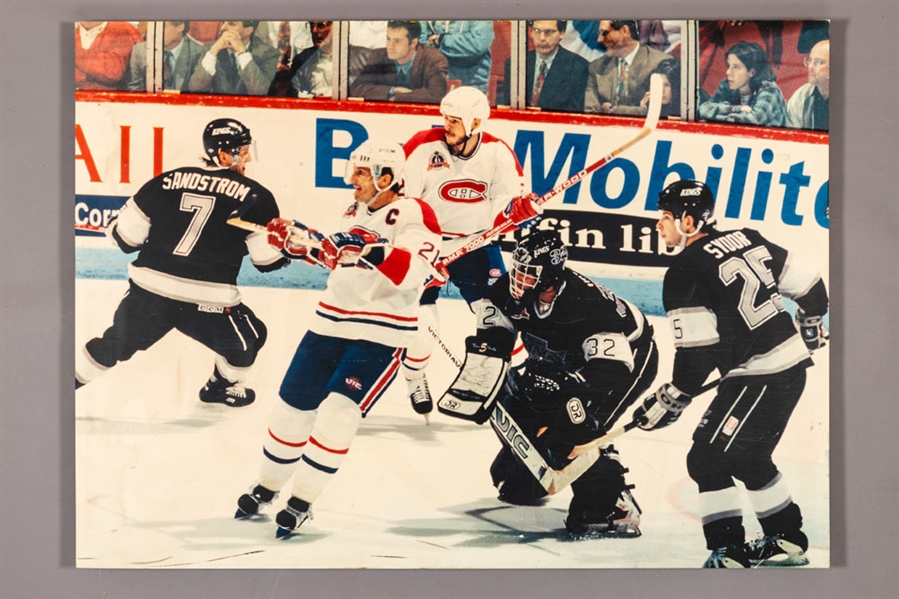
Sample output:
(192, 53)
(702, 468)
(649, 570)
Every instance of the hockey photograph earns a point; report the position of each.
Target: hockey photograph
(488, 294)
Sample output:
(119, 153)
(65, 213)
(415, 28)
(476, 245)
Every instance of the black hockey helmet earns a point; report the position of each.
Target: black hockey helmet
(225, 134)
(688, 196)
(537, 262)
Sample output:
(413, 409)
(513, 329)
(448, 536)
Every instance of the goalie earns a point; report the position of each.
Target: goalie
(591, 355)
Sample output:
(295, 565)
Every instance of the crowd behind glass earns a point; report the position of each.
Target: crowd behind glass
(767, 73)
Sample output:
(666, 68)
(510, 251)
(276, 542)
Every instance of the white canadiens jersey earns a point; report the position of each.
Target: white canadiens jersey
(467, 194)
(380, 304)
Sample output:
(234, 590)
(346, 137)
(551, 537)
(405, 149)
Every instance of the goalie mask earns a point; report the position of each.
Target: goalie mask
(377, 155)
(466, 104)
(537, 263)
(226, 135)
(688, 197)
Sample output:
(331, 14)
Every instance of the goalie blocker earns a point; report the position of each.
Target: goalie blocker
(473, 395)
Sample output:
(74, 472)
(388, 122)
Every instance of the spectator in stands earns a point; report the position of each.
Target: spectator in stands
(102, 53)
(180, 55)
(311, 72)
(466, 45)
(748, 94)
(670, 72)
(617, 82)
(236, 63)
(404, 71)
(808, 107)
(556, 78)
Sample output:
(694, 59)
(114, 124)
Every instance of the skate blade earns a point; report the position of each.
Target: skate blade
(782, 561)
(626, 532)
(284, 533)
(241, 515)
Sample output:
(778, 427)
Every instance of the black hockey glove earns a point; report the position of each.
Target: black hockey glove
(662, 408)
(812, 330)
(550, 381)
(474, 393)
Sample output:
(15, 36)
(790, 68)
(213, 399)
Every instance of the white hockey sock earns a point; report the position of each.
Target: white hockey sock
(86, 368)
(717, 505)
(418, 354)
(771, 498)
(285, 441)
(235, 374)
(335, 427)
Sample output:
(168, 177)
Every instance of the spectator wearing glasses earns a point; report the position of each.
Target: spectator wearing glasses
(808, 107)
(556, 78)
(236, 63)
(466, 45)
(618, 81)
(181, 53)
(102, 53)
(404, 71)
(748, 94)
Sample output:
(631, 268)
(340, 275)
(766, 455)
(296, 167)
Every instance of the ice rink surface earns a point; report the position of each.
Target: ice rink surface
(159, 473)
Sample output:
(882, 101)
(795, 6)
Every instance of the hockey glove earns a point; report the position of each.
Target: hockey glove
(523, 208)
(288, 236)
(542, 380)
(345, 249)
(812, 330)
(474, 393)
(662, 408)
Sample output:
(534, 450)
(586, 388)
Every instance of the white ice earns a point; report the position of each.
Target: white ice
(158, 473)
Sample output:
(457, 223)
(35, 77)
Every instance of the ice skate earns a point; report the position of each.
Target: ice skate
(779, 550)
(623, 522)
(731, 556)
(291, 517)
(250, 503)
(233, 395)
(420, 396)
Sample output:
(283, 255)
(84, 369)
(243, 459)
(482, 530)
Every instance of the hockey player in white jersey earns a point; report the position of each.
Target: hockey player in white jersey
(356, 342)
(473, 181)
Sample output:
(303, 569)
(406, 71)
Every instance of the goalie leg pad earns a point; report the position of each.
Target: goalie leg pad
(474, 392)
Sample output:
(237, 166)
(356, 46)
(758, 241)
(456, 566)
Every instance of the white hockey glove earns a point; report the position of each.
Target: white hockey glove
(292, 238)
(812, 331)
(474, 393)
(662, 408)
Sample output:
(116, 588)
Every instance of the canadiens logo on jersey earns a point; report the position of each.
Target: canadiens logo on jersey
(467, 191)
(437, 161)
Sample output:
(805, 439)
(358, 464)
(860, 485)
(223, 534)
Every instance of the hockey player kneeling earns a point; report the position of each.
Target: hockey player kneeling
(591, 355)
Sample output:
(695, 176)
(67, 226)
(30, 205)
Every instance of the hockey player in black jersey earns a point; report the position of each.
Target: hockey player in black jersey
(724, 297)
(185, 273)
(590, 355)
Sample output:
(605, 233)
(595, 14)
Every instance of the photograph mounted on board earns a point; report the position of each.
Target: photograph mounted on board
(452, 294)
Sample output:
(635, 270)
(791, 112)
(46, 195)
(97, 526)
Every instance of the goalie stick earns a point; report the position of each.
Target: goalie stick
(652, 120)
(508, 430)
(587, 448)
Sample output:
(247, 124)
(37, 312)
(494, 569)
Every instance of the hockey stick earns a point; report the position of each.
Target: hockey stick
(508, 430)
(587, 447)
(652, 119)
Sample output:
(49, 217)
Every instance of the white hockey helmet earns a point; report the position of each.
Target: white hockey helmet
(466, 103)
(377, 155)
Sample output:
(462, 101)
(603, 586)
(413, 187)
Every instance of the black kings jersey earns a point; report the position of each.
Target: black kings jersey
(723, 298)
(187, 249)
(585, 322)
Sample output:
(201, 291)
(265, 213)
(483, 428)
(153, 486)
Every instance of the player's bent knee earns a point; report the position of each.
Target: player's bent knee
(705, 464)
(338, 419)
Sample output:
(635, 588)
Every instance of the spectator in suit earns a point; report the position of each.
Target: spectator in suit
(670, 72)
(748, 94)
(617, 82)
(311, 72)
(809, 106)
(181, 53)
(556, 78)
(466, 45)
(236, 63)
(404, 71)
(102, 53)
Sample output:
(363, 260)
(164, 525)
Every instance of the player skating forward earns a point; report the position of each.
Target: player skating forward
(590, 354)
(723, 295)
(473, 182)
(355, 343)
(185, 274)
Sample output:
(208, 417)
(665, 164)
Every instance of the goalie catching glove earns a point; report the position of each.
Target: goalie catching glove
(812, 330)
(662, 408)
(474, 393)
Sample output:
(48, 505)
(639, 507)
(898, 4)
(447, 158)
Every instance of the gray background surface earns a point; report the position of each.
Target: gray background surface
(37, 535)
